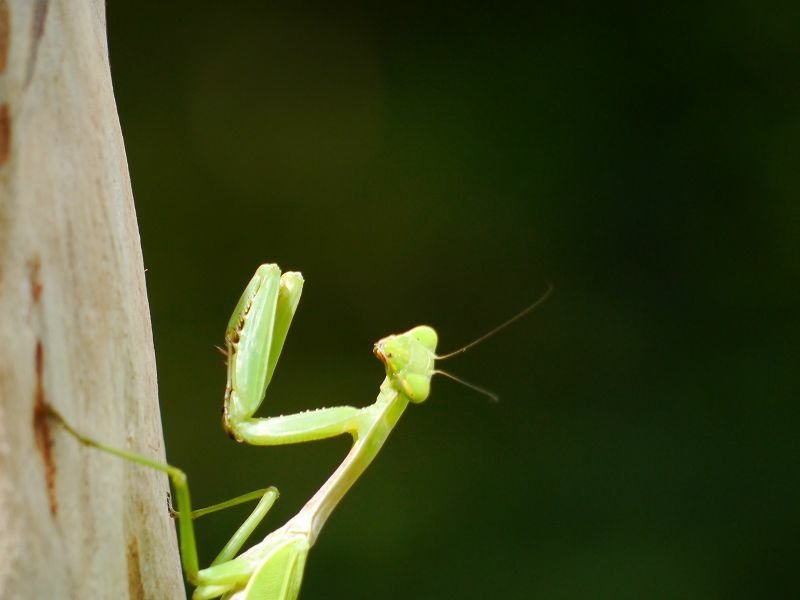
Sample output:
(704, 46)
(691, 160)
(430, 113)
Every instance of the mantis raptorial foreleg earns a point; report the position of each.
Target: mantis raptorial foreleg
(254, 338)
(301, 427)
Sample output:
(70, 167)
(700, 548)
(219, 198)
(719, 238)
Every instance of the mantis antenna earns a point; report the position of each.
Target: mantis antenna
(491, 395)
(534, 305)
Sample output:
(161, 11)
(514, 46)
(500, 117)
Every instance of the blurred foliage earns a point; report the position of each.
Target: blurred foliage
(439, 164)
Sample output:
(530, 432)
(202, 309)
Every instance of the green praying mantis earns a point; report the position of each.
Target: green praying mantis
(273, 568)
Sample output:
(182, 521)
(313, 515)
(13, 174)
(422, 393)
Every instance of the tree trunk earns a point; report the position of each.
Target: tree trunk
(74, 324)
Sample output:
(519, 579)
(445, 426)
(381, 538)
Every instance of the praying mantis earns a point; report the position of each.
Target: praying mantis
(273, 568)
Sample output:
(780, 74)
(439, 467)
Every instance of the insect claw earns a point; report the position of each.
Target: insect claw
(172, 512)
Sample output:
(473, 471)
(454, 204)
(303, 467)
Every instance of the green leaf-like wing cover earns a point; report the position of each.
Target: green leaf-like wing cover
(280, 575)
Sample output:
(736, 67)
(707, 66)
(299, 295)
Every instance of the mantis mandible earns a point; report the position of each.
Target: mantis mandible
(273, 568)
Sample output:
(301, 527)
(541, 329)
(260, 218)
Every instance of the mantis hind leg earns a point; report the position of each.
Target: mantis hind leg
(184, 513)
(179, 483)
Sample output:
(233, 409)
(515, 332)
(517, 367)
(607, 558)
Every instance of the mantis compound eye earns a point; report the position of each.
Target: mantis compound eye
(416, 387)
(426, 336)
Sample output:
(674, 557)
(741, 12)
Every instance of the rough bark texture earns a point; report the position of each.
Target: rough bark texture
(74, 324)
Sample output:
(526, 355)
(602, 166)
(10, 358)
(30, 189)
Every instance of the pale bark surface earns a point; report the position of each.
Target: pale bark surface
(74, 324)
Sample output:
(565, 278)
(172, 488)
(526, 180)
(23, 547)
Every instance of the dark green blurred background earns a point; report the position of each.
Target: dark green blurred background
(440, 165)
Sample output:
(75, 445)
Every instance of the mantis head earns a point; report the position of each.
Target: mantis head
(409, 356)
(409, 359)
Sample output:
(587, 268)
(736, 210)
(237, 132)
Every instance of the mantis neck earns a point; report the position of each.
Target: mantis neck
(375, 423)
